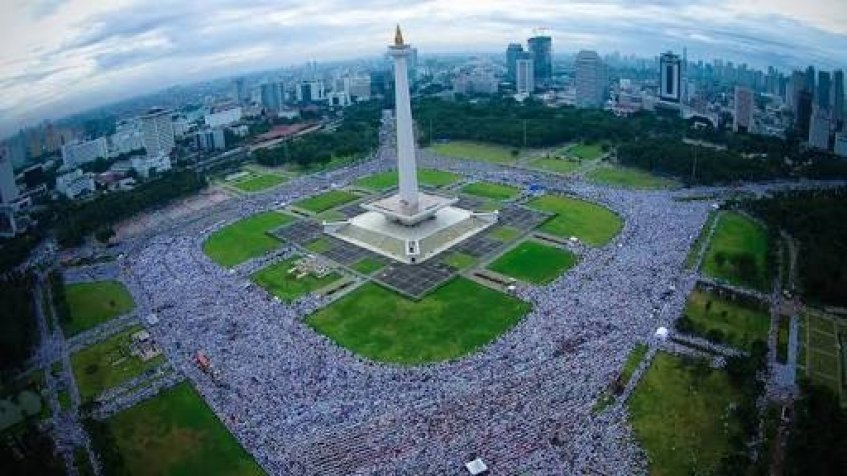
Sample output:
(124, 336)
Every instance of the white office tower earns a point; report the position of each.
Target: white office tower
(272, 96)
(8, 188)
(360, 88)
(157, 132)
(819, 128)
(670, 78)
(83, 152)
(223, 116)
(409, 226)
(590, 79)
(525, 76)
(743, 120)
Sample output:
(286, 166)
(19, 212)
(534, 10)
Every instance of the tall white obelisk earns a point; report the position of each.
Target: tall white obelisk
(408, 183)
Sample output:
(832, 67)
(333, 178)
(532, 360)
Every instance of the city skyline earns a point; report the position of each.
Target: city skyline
(95, 55)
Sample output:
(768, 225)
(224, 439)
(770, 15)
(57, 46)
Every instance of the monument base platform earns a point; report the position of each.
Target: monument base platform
(411, 244)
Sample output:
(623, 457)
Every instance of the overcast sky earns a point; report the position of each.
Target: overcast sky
(61, 56)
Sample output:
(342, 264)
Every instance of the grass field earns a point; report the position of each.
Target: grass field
(426, 177)
(738, 252)
(682, 418)
(456, 319)
(475, 151)
(459, 260)
(494, 191)
(533, 262)
(326, 200)
(560, 166)
(93, 303)
(693, 253)
(592, 224)
(369, 265)
(782, 339)
(319, 246)
(505, 233)
(244, 239)
(277, 280)
(629, 178)
(175, 433)
(259, 182)
(733, 322)
(107, 364)
(822, 355)
(636, 355)
(585, 151)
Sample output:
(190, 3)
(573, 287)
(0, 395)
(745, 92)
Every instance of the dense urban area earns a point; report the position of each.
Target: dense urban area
(664, 290)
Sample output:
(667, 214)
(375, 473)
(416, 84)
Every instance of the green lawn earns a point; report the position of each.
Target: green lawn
(93, 303)
(783, 331)
(630, 178)
(368, 265)
(494, 191)
(426, 177)
(585, 151)
(533, 262)
(731, 322)
(458, 260)
(682, 418)
(560, 166)
(592, 224)
(107, 364)
(475, 151)
(505, 233)
(64, 399)
(175, 433)
(693, 253)
(738, 252)
(277, 280)
(326, 200)
(259, 182)
(319, 246)
(244, 239)
(456, 319)
(636, 355)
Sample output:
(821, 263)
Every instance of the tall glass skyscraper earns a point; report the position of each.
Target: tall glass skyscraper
(541, 48)
(513, 51)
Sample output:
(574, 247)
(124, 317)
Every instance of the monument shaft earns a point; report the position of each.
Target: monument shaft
(408, 182)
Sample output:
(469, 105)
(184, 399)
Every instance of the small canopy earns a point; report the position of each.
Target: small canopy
(476, 467)
(662, 333)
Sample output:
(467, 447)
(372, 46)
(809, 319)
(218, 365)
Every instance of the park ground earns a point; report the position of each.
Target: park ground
(426, 177)
(93, 303)
(738, 252)
(731, 320)
(326, 201)
(534, 262)
(245, 239)
(278, 280)
(590, 223)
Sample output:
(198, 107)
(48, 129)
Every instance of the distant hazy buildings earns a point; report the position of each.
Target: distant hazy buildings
(223, 117)
(591, 79)
(743, 119)
(8, 188)
(75, 184)
(513, 52)
(157, 132)
(803, 114)
(210, 139)
(475, 82)
(359, 87)
(819, 128)
(838, 99)
(670, 77)
(525, 71)
(83, 152)
(841, 144)
(310, 92)
(147, 164)
(272, 96)
(239, 91)
(541, 49)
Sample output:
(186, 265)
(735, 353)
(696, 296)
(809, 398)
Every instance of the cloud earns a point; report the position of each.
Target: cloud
(65, 55)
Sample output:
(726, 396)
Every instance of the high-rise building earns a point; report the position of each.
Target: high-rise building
(810, 80)
(512, 52)
(8, 188)
(83, 152)
(272, 95)
(822, 93)
(743, 119)
(239, 92)
(819, 128)
(590, 79)
(837, 99)
(525, 72)
(670, 77)
(803, 116)
(796, 85)
(210, 139)
(310, 92)
(157, 131)
(541, 48)
(841, 144)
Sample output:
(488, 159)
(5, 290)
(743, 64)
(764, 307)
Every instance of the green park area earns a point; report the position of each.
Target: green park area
(244, 239)
(93, 303)
(633, 359)
(694, 252)
(590, 223)
(426, 177)
(556, 165)
(326, 200)
(456, 319)
(821, 354)
(109, 363)
(175, 433)
(494, 191)
(629, 178)
(284, 281)
(458, 260)
(534, 262)
(475, 151)
(259, 182)
(505, 233)
(681, 413)
(738, 252)
(736, 322)
(368, 265)
(585, 151)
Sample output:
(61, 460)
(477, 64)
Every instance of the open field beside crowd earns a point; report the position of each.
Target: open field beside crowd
(731, 321)
(475, 151)
(452, 321)
(93, 303)
(259, 182)
(325, 201)
(244, 239)
(494, 191)
(738, 252)
(592, 224)
(534, 262)
(278, 280)
(426, 177)
(629, 178)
